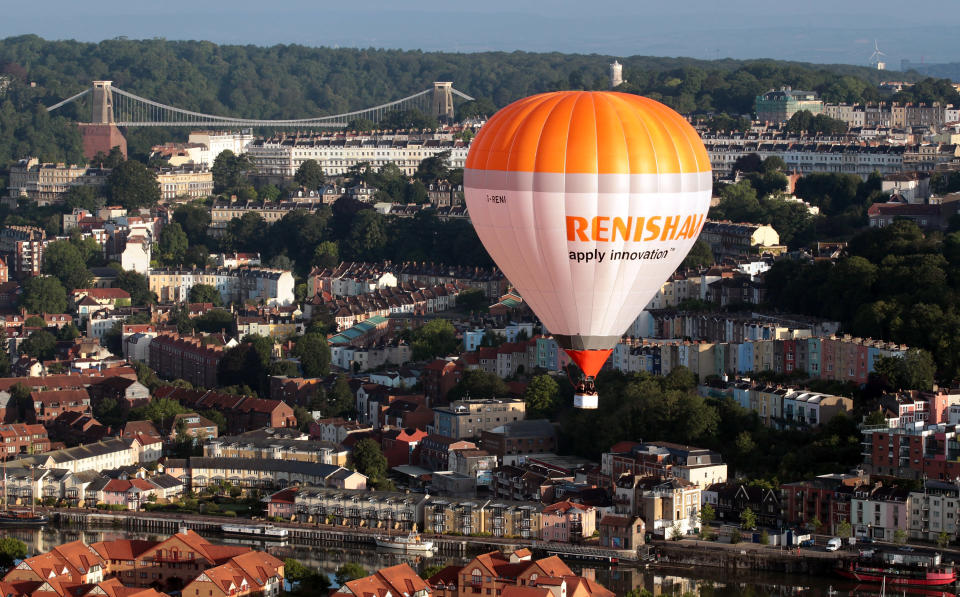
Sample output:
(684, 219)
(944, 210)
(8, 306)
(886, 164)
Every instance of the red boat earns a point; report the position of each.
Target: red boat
(897, 574)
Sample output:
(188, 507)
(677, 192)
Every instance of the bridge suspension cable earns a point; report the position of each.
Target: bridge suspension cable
(128, 109)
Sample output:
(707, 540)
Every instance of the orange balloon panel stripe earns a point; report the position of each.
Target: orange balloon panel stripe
(588, 132)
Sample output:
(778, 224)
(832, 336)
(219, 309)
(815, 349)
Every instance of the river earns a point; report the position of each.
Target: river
(705, 582)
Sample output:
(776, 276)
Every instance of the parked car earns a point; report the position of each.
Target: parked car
(807, 543)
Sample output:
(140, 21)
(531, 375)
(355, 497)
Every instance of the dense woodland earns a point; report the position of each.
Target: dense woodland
(291, 81)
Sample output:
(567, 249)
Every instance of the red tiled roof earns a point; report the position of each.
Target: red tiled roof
(122, 549)
(564, 506)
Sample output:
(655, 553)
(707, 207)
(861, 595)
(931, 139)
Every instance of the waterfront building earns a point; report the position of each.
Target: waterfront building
(387, 510)
(471, 516)
(256, 473)
(568, 522)
(934, 510)
(881, 512)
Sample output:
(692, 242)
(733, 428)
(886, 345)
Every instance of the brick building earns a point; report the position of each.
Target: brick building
(50, 404)
(187, 358)
(19, 438)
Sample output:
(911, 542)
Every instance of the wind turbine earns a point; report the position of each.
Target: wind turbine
(876, 58)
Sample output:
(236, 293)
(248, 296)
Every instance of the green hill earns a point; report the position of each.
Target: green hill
(290, 81)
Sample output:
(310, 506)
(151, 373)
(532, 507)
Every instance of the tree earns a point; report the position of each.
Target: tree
(361, 125)
(433, 168)
(205, 293)
(764, 537)
(435, 338)
(700, 255)
(844, 530)
(146, 375)
(915, 370)
(900, 537)
(774, 163)
(132, 186)
(349, 571)
(62, 260)
(20, 398)
(307, 581)
(541, 397)
(138, 286)
(472, 300)
(367, 236)
(159, 410)
(707, 516)
(876, 417)
(476, 383)
(83, 197)
(340, 401)
(109, 412)
(368, 459)
(283, 369)
(230, 171)
(314, 354)
(246, 364)
(194, 219)
(113, 338)
(736, 536)
(197, 256)
(431, 571)
(246, 232)
(680, 378)
(750, 162)
(748, 520)
(90, 251)
(304, 418)
(108, 160)
(172, 244)
(676, 531)
(309, 175)
(215, 416)
(814, 524)
(40, 345)
(943, 539)
(215, 320)
(4, 354)
(35, 321)
(11, 549)
(327, 254)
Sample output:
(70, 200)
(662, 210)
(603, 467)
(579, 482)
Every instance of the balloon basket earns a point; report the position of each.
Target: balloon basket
(585, 401)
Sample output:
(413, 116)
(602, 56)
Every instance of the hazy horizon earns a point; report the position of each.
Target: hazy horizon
(819, 31)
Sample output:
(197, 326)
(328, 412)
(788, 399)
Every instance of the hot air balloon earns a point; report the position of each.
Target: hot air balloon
(587, 201)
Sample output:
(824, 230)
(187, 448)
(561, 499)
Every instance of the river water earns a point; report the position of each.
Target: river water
(705, 582)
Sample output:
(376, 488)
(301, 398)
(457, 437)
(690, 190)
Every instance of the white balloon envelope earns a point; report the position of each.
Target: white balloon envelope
(587, 201)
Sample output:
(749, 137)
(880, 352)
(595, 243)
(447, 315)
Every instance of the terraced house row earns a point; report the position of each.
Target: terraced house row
(837, 358)
(408, 512)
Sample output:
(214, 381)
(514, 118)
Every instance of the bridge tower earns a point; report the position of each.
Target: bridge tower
(102, 112)
(443, 101)
(101, 134)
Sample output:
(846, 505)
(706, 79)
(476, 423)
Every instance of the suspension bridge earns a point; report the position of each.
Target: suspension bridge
(113, 106)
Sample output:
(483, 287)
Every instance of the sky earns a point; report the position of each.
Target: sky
(824, 31)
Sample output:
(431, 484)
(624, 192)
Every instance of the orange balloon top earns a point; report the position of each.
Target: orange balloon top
(589, 132)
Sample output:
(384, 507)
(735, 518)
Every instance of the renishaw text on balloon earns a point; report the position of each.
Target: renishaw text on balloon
(606, 229)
